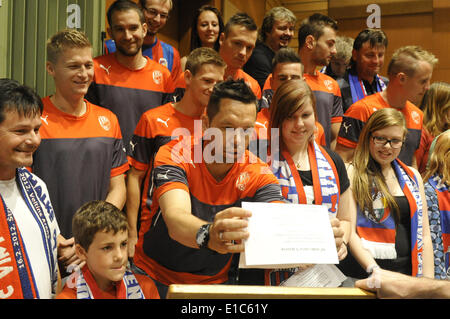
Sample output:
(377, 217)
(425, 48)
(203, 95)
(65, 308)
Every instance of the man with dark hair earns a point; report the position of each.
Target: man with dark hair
(367, 59)
(316, 42)
(126, 82)
(276, 32)
(28, 227)
(200, 184)
(204, 68)
(236, 46)
(156, 14)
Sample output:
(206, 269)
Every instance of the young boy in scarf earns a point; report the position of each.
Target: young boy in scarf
(101, 242)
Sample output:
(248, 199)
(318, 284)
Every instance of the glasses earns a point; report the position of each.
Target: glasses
(153, 13)
(380, 140)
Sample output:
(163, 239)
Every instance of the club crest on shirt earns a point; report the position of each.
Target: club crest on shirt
(328, 84)
(157, 77)
(241, 182)
(104, 122)
(415, 117)
(164, 62)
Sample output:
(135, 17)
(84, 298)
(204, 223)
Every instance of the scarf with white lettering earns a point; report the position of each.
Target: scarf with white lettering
(325, 184)
(378, 234)
(357, 86)
(443, 196)
(16, 277)
(87, 288)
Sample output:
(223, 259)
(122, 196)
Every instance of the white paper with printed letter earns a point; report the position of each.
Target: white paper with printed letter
(288, 235)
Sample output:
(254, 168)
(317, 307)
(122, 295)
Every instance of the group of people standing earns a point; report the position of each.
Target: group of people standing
(122, 131)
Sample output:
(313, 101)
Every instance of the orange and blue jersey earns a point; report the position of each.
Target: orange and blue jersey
(328, 101)
(358, 114)
(165, 259)
(156, 128)
(128, 93)
(161, 52)
(77, 158)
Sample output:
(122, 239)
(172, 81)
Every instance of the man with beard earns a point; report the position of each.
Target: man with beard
(367, 59)
(156, 14)
(276, 32)
(126, 82)
(316, 42)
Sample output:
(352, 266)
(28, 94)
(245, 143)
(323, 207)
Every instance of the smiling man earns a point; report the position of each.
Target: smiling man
(81, 156)
(276, 32)
(409, 71)
(316, 42)
(126, 82)
(156, 13)
(28, 227)
(367, 59)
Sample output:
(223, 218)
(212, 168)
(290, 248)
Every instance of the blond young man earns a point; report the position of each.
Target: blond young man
(82, 156)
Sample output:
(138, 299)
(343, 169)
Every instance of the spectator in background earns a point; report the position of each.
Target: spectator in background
(410, 71)
(275, 33)
(367, 59)
(436, 119)
(341, 61)
(206, 27)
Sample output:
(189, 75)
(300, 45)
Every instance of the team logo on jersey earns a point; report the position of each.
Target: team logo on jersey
(328, 84)
(263, 125)
(164, 62)
(44, 119)
(105, 68)
(157, 77)
(346, 126)
(415, 116)
(241, 182)
(163, 122)
(104, 123)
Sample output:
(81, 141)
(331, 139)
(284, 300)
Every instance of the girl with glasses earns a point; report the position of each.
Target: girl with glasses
(390, 227)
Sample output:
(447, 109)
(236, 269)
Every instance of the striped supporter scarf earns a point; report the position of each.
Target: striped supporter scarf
(325, 185)
(16, 275)
(87, 288)
(378, 234)
(357, 87)
(442, 191)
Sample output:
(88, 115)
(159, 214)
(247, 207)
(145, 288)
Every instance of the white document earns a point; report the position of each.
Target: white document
(288, 235)
(316, 276)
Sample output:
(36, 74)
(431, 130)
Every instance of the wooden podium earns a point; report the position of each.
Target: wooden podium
(263, 292)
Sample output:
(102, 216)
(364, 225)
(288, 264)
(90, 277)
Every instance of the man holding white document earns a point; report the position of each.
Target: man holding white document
(201, 183)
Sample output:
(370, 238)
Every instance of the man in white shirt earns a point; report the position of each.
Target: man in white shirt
(28, 227)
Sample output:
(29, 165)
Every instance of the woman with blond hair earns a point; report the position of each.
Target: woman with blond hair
(436, 119)
(437, 185)
(307, 172)
(391, 228)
